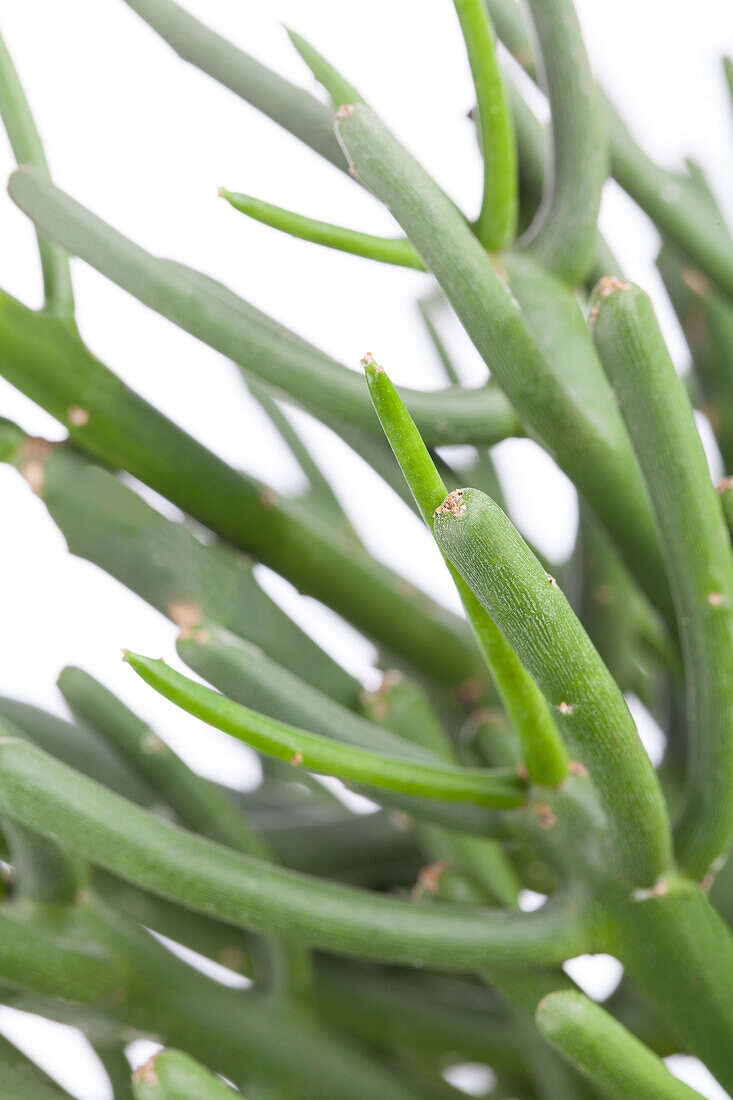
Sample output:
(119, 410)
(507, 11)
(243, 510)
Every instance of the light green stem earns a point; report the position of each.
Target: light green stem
(538, 622)
(697, 551)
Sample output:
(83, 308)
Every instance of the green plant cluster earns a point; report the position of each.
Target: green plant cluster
(383, 949)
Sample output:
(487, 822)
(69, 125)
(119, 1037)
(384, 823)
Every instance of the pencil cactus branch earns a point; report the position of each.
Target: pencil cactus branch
(497, 218)
(50, 365)
(293, 108)
(609, 1055)
(28, 149)
(549, 410)
(564, 233)
(112, 833)
(396, 250)
(497, 788)
(172, 1075)
(231, 326)
(543, 752)
(697, 550)
(531, 611)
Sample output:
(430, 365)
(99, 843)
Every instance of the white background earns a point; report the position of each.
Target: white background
(145, 141)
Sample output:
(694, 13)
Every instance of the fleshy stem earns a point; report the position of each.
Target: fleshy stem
(697, 551)
(563, 235)
(27, 149)
(497, 220)
(497, 787)
(388, 250)
(600, 1047)
(172, 1075)
(538, 622)
(591, 455)
(47, 796)
(543, 752)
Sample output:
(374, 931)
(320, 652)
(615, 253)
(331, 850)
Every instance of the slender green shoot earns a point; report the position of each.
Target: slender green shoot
(543, 752)
(497, 220)
(499, 788)
(564, 233)
(604, 1051)
(697, 550)
(28, 149)
(340, 91)
(388, 250)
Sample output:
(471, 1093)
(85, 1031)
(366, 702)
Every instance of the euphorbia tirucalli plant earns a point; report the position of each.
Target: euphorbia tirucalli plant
(385, 948)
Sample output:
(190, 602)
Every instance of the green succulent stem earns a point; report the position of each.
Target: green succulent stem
(28, 149)
(497, 218)
(497, 788)
(697, 551)
(609, 1055)
(114, 424)
(535, 617)
(564, 233)
(397, 250)
(543, 752)
(296, 110)
(556, 417)
(173, 1075)
(249, 893)
(264, 348)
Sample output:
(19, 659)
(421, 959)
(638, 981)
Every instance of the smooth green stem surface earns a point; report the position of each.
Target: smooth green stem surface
(264, 348)
(564, 234)
(593, 454)
(114, 424)
(601, 1048)
(542, 749)
(28, 149)
(498, 788)
(173, 1075)
(164, 562)
(112, 833)
(296, 110)
(199, 805)
(497, 218)
(706, 318)
(697, 550)
(397, 250)
(537, 620)
(53, 965)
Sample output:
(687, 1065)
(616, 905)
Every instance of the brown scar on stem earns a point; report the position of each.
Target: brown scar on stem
(576, 768)
(658, 890)
(452, 505)
(268, 497)
(377, 700)
(551, 579)
(428, 880)
(187, 616)
(77, 416)
(297, 759)
(368, 360)
(697, 282)
(345, 111)
(31, 461)
(145, 1074)
(565, 708)
(725, 484)
(609, 284)
(545, 814)
(715, 598)
(151, 744)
